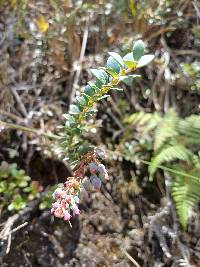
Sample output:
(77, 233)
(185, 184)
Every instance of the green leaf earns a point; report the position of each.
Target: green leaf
(81, 100)
(113, 66)
(117, 89)
(145, 60)
(23, 184)
(132, 7)
(95, 86)
(101, 75)
(89, 91)
(186, 195)
(3, 186)
(129, 60)
(128, 79)
(117, 57)
(170, 153)
(102, 97)
(138, 50)
(74, 109)
(112, 73)
(17, 203)
(87, 98)
(71, 119)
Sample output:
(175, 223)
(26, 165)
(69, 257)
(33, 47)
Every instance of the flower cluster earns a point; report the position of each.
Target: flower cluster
(67, 199)
(89, 174)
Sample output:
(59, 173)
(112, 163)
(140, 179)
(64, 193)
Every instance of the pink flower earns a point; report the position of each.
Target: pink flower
(68, 198)
(52, 210)
(75, 210)
(102, 171)
(59, 213)
(67, 216)
(76, 199)
(59, 193)
(55, 205)
(64, 204)
(100, 153)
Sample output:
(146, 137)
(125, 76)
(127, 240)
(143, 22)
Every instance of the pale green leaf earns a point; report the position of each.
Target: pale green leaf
(144, 60)
(138, 50)
(117, 57)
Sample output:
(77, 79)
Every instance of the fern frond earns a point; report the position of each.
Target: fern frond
(145, 122)
(186, 195)
(166, 129)
(175, 171)
(139, 118)
(190, 129)
(152, 122)
(169, 154)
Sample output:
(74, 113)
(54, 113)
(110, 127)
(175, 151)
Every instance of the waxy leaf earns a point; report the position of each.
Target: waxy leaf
(117, 57)
(71, 119)
(138, 50)
(81, 100)
(117, 89)
(74, 109)
(128, 79)
(113, 65)
(145, 60)
(101, 75)
(89, 90)
(129, 61)
(102, 97)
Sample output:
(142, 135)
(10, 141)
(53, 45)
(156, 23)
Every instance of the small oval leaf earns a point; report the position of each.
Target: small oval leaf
(101, 75)
(138, 50)
(129, 60)
(145, 60)
(113, 65)
(117, 57)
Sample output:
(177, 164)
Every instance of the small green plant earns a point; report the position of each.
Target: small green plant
(16, 189)
(192, 71)
(74, 146)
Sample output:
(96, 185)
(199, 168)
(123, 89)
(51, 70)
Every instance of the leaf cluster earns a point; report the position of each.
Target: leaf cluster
(107, 78)
(16, 188)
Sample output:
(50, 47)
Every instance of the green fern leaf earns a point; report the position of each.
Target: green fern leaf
(190, 129)
(169, 154)
(166, 129)
(186, 195)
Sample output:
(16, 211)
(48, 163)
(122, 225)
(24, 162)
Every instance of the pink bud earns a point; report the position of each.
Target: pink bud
(64, 204)
(92, 167)
(86, 184)
(55, 205)
(59, 193)
(102, 171)
(100, 153)
(52, 210)
(67, 216)
(68, 198)
(96, 182)
(75, 210)
(59, 213)
(76, 199)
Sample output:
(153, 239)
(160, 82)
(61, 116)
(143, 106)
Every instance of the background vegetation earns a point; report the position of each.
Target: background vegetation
(148, 213)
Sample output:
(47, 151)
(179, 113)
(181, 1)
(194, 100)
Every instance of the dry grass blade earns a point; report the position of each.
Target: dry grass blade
(130, 258)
